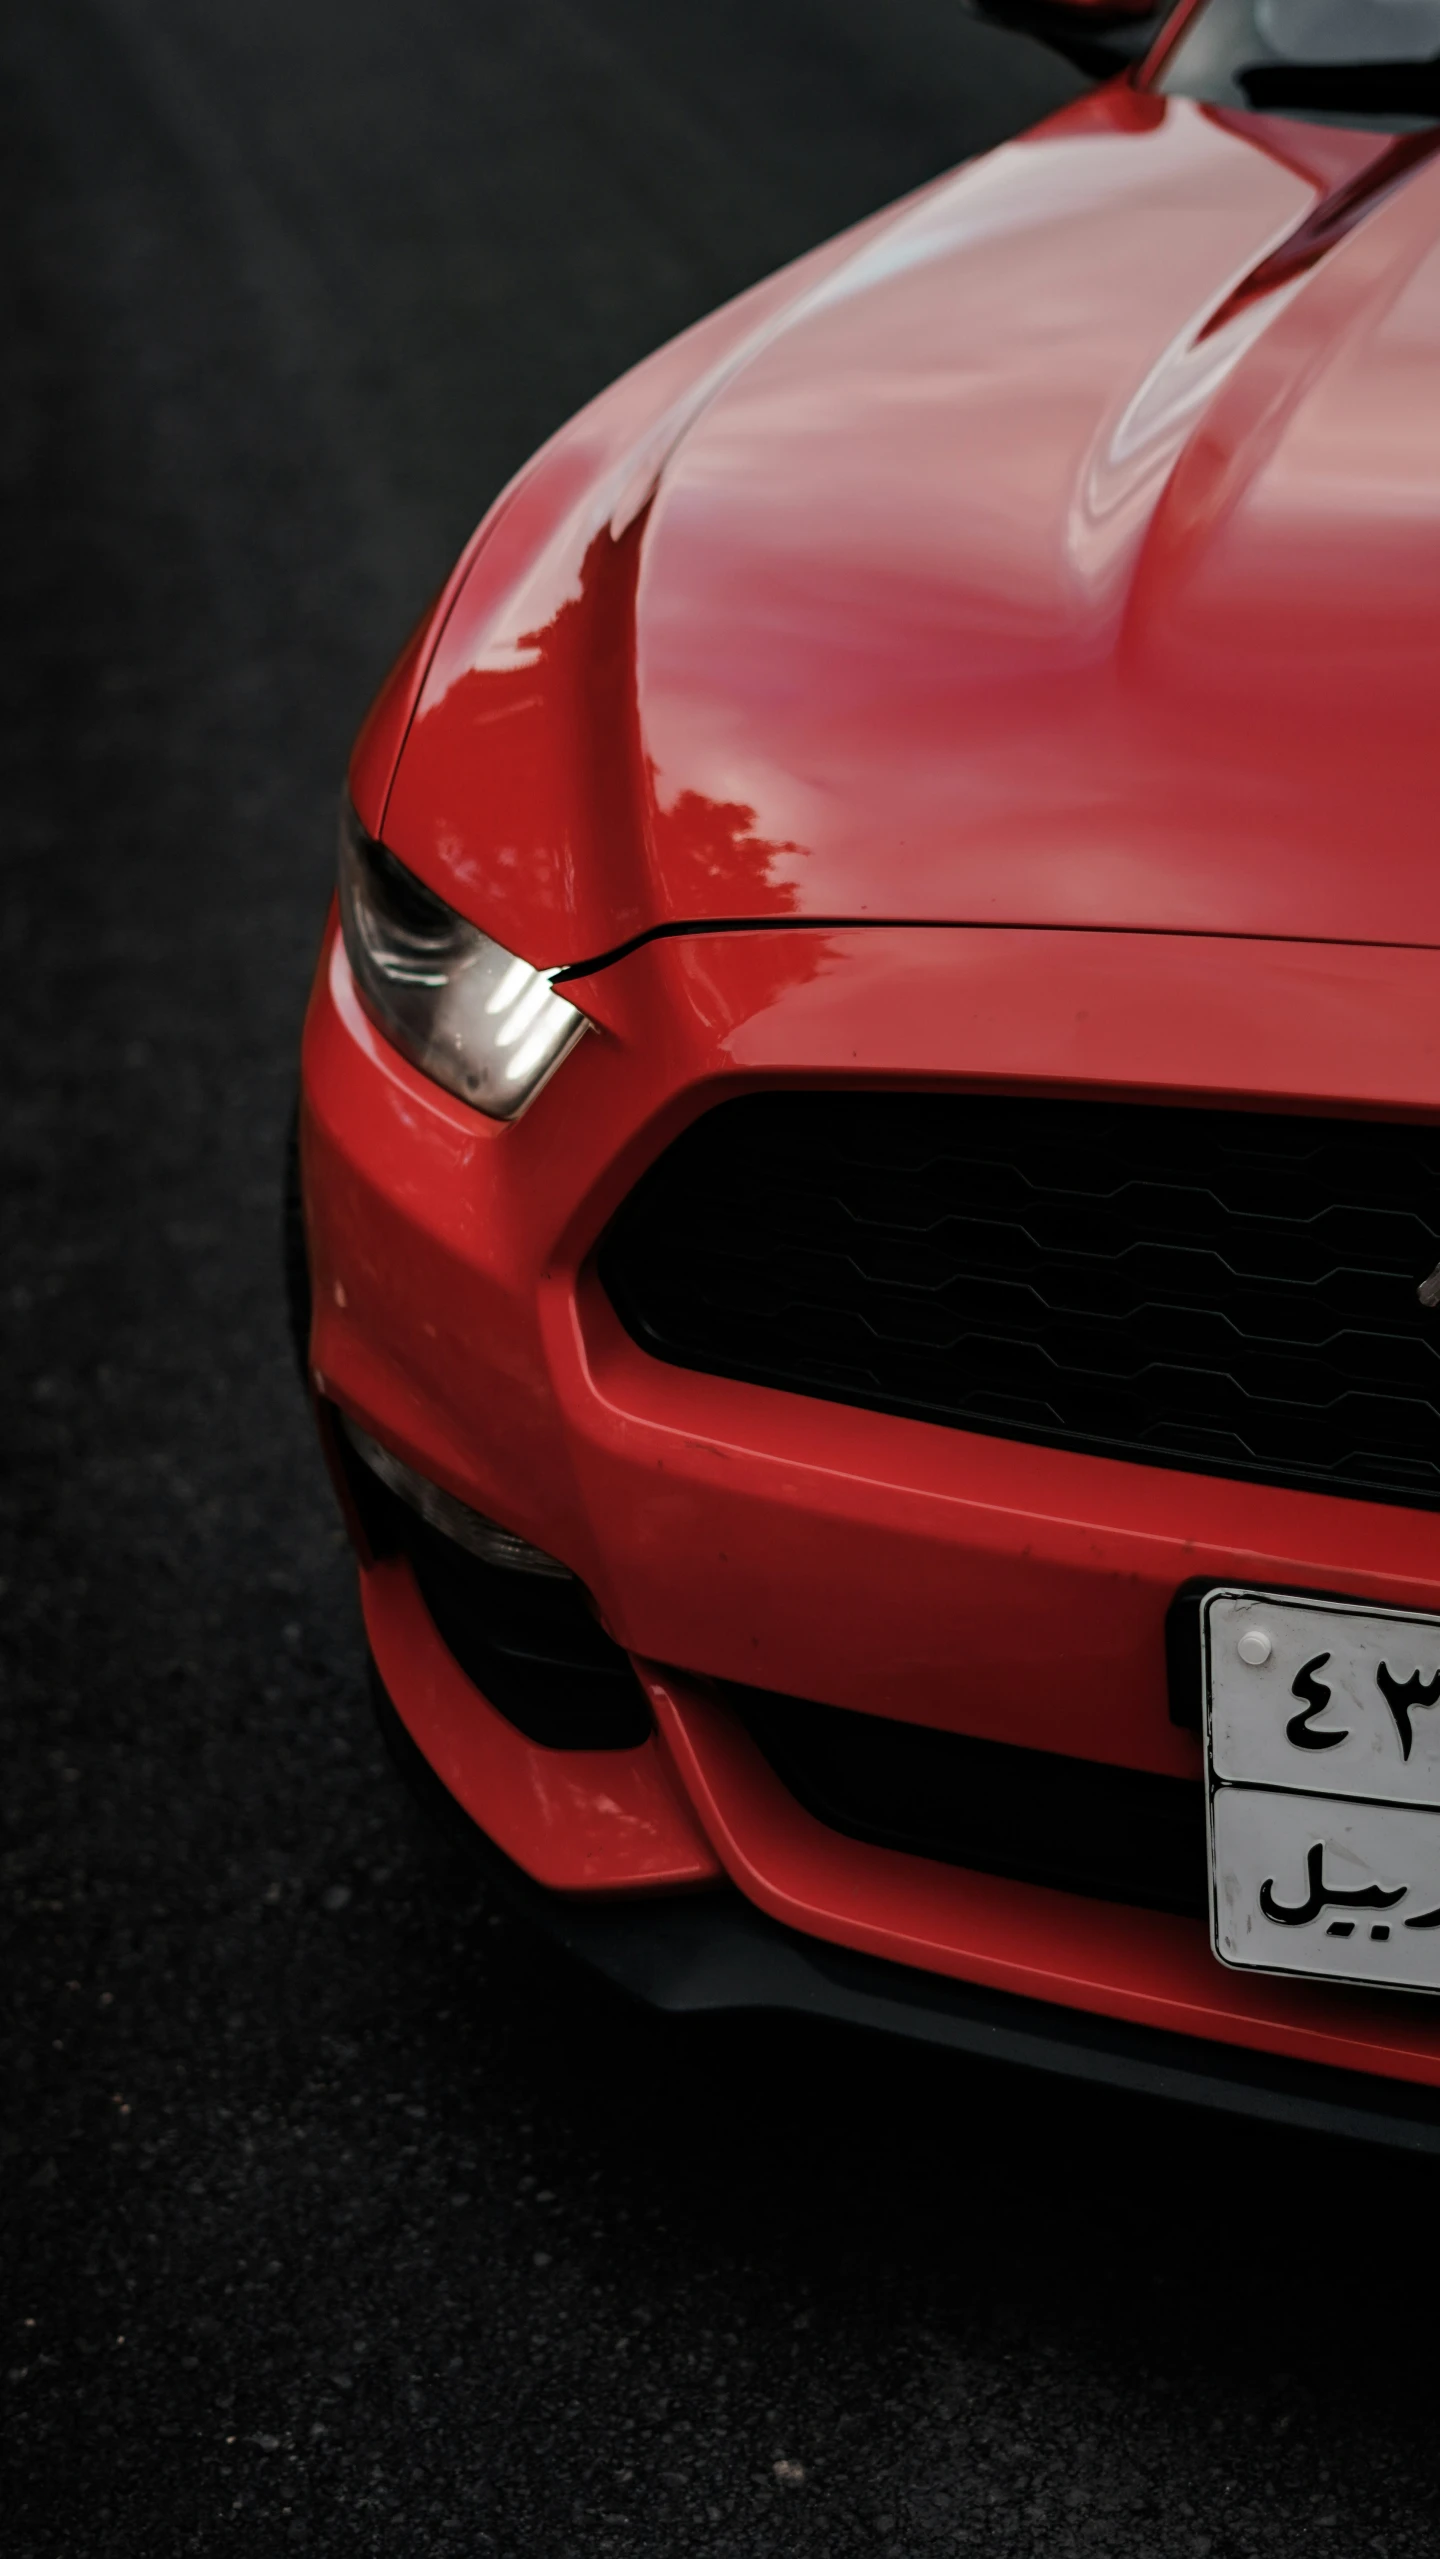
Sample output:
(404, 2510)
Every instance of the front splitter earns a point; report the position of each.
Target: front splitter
(699, 1953)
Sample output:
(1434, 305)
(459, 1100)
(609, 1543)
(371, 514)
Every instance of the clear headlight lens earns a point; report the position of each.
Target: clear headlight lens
(481, 1022)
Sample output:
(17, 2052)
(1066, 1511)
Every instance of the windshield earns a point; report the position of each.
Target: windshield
(1365, 62)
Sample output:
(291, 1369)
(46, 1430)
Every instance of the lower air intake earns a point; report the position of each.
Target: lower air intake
(530, 1642)
(1118, 1834)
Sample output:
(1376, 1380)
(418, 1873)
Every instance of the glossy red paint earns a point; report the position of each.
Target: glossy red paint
(518, 565)
(979, 577)
(1014, 627)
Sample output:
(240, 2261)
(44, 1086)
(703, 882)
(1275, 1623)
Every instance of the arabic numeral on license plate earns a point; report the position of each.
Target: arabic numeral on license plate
(1323, 1762)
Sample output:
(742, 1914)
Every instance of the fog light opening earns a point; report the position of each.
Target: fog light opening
(454, 1519)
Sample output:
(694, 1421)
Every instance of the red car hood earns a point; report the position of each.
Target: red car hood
(1049, 558)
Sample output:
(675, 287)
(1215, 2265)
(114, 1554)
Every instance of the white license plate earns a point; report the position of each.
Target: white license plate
(1322, 1739)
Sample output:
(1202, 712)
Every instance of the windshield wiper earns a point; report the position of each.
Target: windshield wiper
(1343, 88)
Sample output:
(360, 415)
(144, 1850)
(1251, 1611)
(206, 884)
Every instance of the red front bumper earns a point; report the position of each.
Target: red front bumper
(730, 1532)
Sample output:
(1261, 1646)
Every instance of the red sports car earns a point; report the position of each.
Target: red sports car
(870, 1135)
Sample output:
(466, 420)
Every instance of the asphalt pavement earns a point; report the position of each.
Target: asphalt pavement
(339, 2213)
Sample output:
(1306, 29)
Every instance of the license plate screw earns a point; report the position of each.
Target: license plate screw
(1255, 1647)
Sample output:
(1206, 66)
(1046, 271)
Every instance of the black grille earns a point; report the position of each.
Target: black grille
(1220, 1290)
(1117, 1833)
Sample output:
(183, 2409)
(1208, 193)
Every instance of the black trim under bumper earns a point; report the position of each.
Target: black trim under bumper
(694, 1953)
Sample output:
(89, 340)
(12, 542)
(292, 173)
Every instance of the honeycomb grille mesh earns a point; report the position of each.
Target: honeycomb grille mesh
(1215, 1290)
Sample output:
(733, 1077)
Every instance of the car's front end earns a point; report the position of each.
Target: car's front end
(871, 1115)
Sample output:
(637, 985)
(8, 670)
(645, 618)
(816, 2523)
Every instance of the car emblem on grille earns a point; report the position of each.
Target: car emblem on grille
(1428, 1291)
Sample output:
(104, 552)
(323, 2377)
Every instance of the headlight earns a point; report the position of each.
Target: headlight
(485, 1025)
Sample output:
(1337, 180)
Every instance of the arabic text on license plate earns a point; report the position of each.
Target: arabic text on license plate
(1322, 1738)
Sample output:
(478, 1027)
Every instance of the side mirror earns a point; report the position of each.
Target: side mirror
(1098, 36)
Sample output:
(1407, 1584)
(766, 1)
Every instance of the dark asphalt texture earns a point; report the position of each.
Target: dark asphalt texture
(339, 2213)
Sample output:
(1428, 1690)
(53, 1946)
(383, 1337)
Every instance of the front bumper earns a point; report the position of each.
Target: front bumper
(701, 1954)
(731, 1533)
